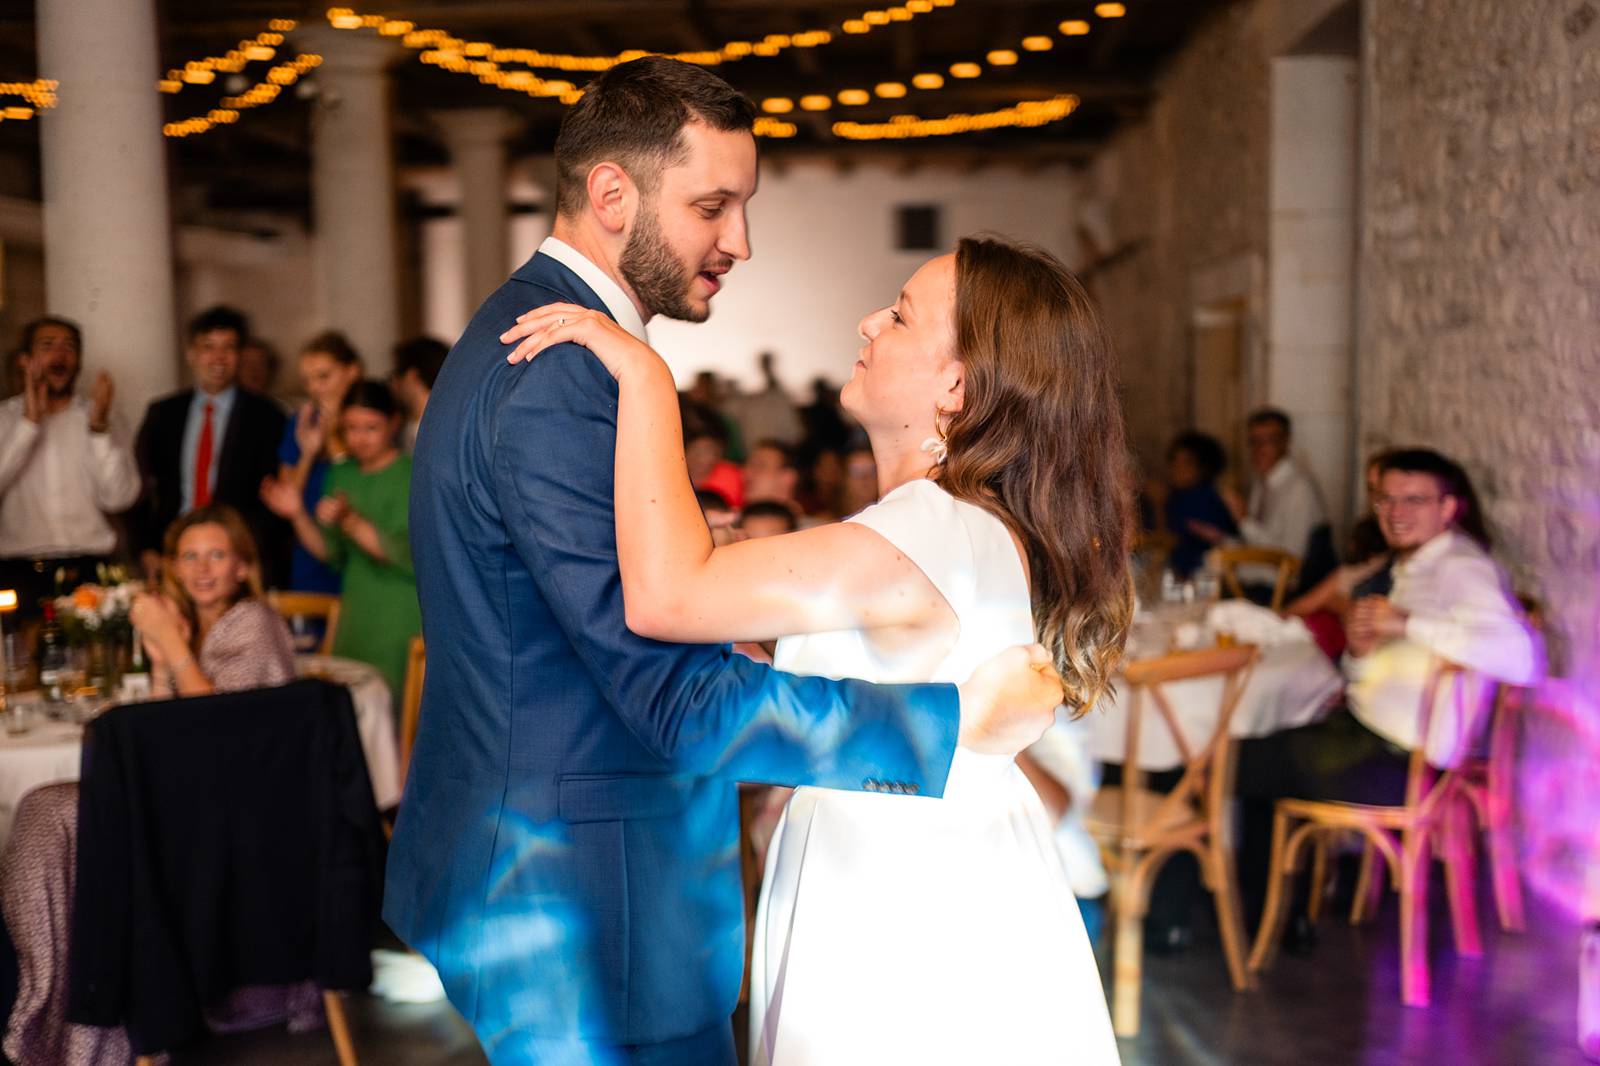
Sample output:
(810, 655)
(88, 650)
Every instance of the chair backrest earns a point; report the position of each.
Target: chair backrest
(322, 605)
(1207, 776)
(411, 700)
(1228, 558)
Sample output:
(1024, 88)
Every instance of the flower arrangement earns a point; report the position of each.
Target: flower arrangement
(98, 612)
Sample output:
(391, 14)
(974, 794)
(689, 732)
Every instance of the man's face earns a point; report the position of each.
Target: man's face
(691, 229)
(758, 527)
(1413, 509)
(1267, 443)
(213, 356)
(767, 476)
(53, 358)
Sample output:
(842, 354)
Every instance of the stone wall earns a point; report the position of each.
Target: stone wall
(1480, 332)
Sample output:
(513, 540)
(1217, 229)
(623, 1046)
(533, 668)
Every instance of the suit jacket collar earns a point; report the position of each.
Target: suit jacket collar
(558, 260)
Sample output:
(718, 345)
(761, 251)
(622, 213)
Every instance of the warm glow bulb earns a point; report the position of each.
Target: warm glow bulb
(928, 81)
(965, 70)
(919, 7)
(777, 105)
(1002, 57)
(854, 97)
(890, 90)
(1110, 11)
(1038, 44)
(1074, 27)
(855, 26)
(815, 102)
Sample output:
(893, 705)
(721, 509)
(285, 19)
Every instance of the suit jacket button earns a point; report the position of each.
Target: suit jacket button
(870, 784)
(912, 788)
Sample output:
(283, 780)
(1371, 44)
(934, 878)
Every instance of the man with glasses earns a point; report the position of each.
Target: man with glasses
(1446, 598)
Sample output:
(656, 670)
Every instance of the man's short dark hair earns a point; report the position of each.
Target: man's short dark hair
(1206, 450)
(1453, 481)
(634, 115)
(769, 509)
(785, 453)
(215, 318)
(425, 355)
(1262, 416)
(31, 331)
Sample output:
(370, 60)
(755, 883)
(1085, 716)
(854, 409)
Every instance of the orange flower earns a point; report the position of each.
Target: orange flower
(86, 597)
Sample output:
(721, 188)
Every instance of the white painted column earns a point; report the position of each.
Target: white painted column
(352, 191)
(107, 218)
(476, 139)
(1311, 272)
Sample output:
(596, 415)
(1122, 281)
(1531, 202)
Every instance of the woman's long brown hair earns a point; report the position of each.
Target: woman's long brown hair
(1040, 441)
(244, 546)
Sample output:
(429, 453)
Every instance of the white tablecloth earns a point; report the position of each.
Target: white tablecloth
(1294, 684)
(52, 751)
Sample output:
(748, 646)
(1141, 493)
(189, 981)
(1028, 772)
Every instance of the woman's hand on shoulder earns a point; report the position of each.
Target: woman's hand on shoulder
(561, 323)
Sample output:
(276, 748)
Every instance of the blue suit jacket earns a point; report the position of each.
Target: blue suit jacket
(567, 849)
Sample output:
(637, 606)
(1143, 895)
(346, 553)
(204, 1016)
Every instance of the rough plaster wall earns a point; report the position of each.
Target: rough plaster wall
(1481, 324)
(1187, 188)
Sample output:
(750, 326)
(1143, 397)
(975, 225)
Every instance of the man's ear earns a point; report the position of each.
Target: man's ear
(611, 196)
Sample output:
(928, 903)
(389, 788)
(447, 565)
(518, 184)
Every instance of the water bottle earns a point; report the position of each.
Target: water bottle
(1589, 991)
(52, 655)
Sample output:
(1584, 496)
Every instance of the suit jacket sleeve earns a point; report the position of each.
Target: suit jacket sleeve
(144, 521)
(700, 709)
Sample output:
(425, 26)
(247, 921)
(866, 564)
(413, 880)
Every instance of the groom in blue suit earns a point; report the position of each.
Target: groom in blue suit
(567, 850)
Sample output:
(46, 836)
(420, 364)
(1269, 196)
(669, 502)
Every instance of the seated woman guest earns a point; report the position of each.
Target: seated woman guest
(311, 440)
(1194, 462)
(209, 630)
(360, 528)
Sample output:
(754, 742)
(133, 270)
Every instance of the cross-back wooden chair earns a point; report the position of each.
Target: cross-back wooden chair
(1228, 558)
(1436, 816)
(411, 700)
(322, 605)
(1139, 829)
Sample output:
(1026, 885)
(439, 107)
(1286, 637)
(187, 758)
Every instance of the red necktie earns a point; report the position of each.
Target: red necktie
(202, 463)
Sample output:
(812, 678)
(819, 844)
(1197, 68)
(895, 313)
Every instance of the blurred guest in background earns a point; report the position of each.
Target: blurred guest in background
(1194, 462)
(328, 366)
(416, 366)
(770, 412)
(766, 518)
(860, 482)
(721, 396)
(213, 443)
(62, 468)
(258, 367)
(823, 484)
(827, 427)
(1367, 557)
(705, 443)
(770, 475)
(209, 629)
(361, 528)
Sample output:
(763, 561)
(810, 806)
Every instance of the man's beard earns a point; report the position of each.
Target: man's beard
(658, 279)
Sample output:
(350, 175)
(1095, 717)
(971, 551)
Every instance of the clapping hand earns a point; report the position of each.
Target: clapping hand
(282, 497)
(333, 510)
(560, 323)
(310, 428)
(162, 626)
(35, 393)
(100, 396)
(1206, 531)
(1371, 621)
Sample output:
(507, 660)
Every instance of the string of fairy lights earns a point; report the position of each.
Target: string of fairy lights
(487, 62)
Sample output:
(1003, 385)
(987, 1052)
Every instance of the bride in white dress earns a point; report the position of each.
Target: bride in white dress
(895, 927)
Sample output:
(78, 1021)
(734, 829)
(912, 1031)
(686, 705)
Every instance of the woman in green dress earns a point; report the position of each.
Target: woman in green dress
(360, 529)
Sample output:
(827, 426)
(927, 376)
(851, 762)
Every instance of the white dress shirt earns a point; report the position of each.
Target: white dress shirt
(221, 409)
(58, 481)
(1285, 506)
(609, 291)
(1459, 609)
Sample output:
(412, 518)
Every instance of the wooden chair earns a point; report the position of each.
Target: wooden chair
(338, 1028)
(1138, 829)
(1436, 816)
(411, 701)
(1229, 558)
(292, 605)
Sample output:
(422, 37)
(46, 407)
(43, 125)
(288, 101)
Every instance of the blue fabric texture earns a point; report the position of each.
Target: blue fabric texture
(567, 849)
(306, 572)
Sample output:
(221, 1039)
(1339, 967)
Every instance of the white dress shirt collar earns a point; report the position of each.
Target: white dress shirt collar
(609, 291)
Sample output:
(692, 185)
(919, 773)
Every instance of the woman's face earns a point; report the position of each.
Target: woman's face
(326, 380)
(369, 434)
(907, 371)
(1182, 470)
(207, 566)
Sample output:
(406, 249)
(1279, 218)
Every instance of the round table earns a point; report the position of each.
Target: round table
(52, 751)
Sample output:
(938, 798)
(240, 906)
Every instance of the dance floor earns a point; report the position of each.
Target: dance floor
(1338, 1007)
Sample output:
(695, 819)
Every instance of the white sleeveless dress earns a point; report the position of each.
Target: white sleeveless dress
(904, 929)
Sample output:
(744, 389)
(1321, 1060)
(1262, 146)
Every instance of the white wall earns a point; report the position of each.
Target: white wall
(823, 256)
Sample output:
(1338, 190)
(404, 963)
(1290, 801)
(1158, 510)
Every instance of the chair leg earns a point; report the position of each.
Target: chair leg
(1460, 882)
(1127, 959)
(339, 1027)
(1414, 865)
(1319, 880)
(1502, 849)
(145, 1060)
(1230, 916)
(1276, 910)
(1369, 886)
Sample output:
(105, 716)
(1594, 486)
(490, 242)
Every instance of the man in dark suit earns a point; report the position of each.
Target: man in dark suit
(214, 443)
(567, 850)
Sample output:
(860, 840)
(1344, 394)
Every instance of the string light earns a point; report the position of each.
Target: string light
(345, 18)
(41, 93)
(965, 70)
(815, 102)
(928, 81)
(268, 89)
(1038, 44)
(777, 105)
(1110, 11)
(1074, 28)
(260, 48)
(853, 97)
(890, 90)
(1027, 114)
(1002, 57)
(774, 127)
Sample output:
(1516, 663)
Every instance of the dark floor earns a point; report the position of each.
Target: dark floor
(1339, 1007)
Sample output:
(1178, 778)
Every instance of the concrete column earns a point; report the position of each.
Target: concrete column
(352, 190)
(476, 138)
(107, 220)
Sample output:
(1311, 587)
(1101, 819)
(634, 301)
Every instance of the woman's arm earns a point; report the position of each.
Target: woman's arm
(283, 499)
(1327, 595)
(678, 586)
